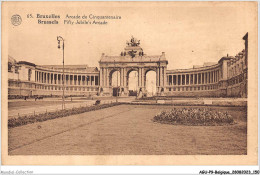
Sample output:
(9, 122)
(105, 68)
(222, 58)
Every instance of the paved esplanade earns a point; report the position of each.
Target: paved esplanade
(128, 130)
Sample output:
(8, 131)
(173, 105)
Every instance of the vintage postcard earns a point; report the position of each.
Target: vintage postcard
(129, 83)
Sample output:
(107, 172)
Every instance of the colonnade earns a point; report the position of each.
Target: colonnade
(193, 78)
(75, 80)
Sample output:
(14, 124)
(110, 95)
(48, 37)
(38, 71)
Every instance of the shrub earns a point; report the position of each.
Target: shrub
(194, 116)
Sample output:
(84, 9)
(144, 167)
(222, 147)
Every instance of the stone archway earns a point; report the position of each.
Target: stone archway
(132, 82)
(150, 82)
(114, 82)
(133, 58)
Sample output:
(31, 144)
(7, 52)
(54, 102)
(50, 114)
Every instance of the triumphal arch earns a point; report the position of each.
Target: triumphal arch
(132, 58)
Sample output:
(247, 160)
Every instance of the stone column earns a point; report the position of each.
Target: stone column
(139, 79)
(212, 80)
(181, 79)
(212, 74)
(107, 77)
(121, 77)
(161, 77)
(157, 77)
(204, 78)
(211, 77)
(100, 77)
(143, 77)
(208, 77)
(38, 76)
(125, 77)
(217, 75)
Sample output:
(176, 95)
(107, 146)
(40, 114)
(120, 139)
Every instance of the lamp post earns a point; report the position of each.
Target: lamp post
(59, 38)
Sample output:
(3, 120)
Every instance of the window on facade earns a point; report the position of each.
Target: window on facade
(183, 79)
(96, 80)
(29, 74)
(187, 89)
(199, 79)
(170, 89)
(170, 80)
(174, 79)
(79, 79)
(187, 79)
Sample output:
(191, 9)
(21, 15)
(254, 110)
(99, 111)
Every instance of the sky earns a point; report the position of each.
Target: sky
(190, 33)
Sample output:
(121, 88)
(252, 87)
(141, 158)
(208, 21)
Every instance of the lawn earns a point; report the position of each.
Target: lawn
(129, 130)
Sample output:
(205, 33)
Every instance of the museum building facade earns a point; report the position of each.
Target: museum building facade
(226, 78)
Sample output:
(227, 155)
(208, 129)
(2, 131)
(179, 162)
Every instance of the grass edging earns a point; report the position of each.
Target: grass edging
(28, 119)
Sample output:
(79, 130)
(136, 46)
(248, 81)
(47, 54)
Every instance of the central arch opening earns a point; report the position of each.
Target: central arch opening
(133, 83)
(150, 83)
(115, 82)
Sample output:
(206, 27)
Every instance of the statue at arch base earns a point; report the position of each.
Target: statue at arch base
(140, 93)
(162, 91)
(124, 92)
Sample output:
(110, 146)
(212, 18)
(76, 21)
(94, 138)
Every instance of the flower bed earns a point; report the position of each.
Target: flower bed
(194, 116)
(14, 122)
